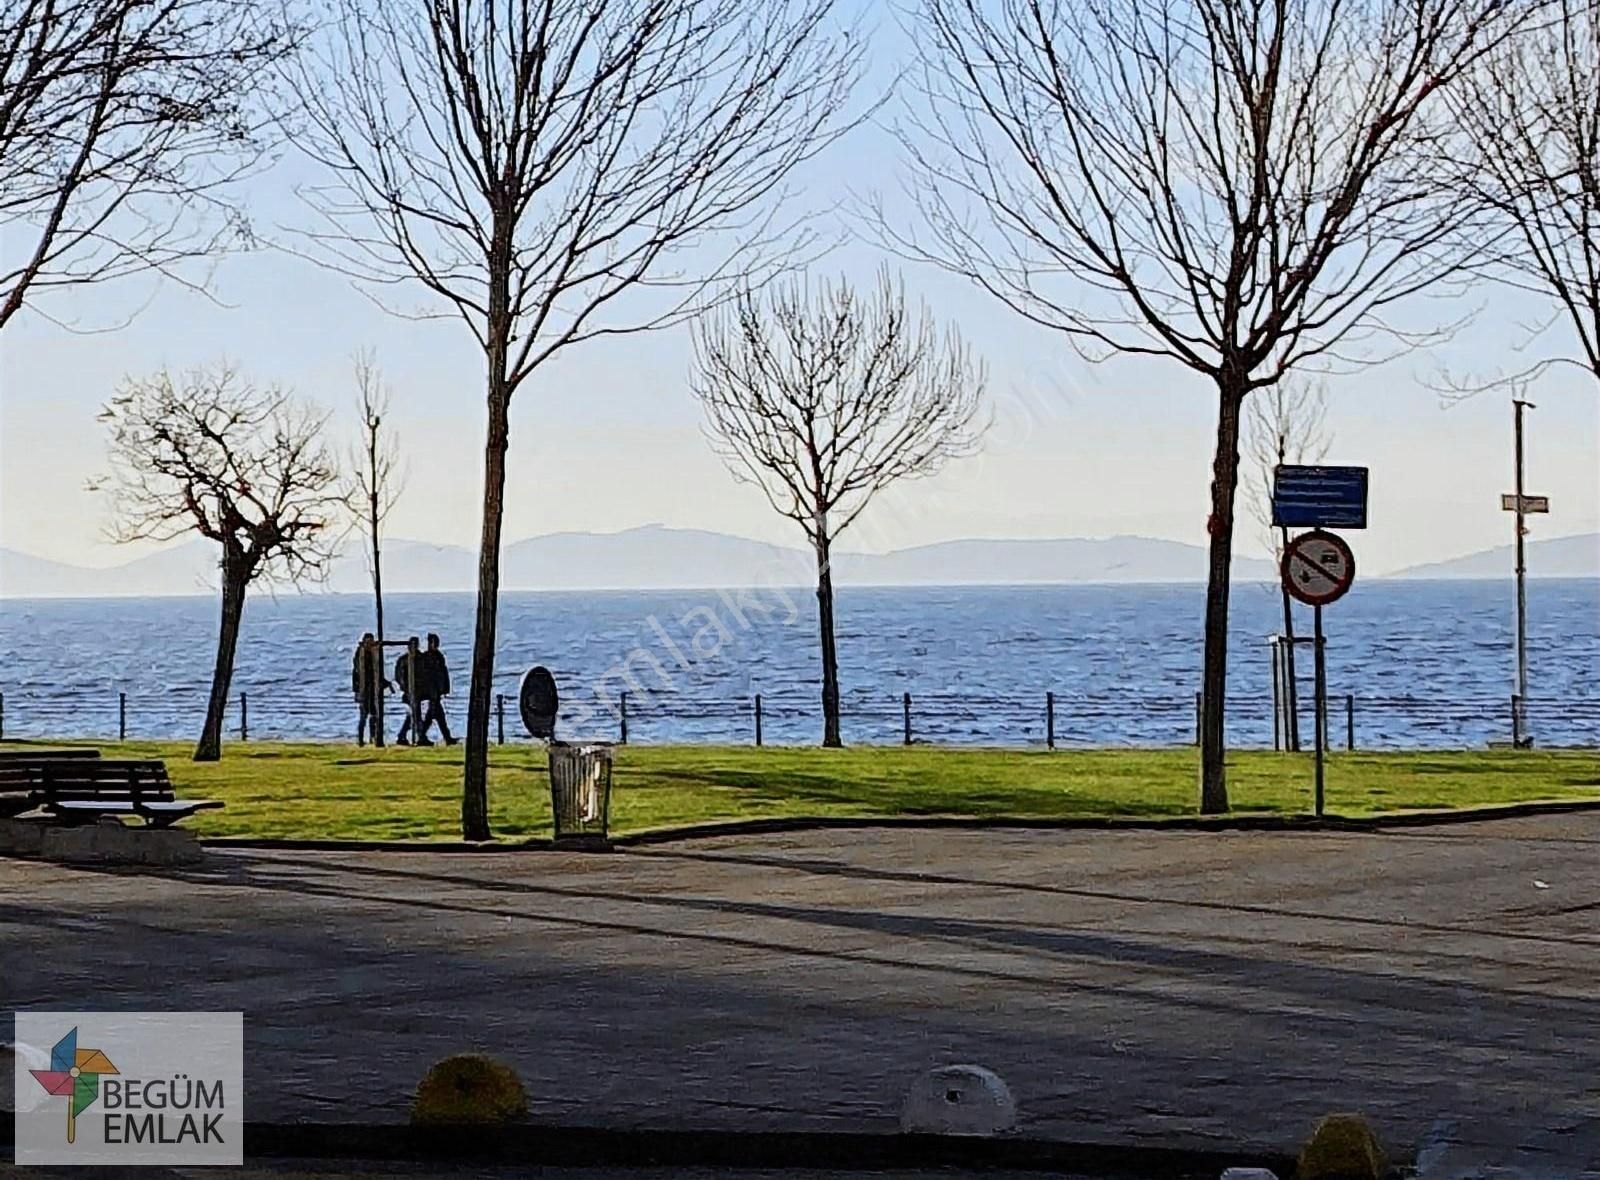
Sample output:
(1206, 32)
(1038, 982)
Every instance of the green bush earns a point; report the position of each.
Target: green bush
(469, 1089)
(1343, 1147)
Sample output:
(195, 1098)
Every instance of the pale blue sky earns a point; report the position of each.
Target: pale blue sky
(608, 437)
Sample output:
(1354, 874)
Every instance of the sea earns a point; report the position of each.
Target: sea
(1410, 664)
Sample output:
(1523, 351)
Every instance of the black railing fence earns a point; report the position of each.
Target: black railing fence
(792, 716)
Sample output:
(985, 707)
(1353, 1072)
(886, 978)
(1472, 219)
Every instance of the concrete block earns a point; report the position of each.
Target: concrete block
(115, 844)
(1249, 1174)
(20, 837)
(959, 1100)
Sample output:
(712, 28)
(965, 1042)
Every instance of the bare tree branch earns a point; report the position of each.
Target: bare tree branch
(1529, 152)
(210, 453)
(533, 164)
(823, 399)
(1286, 423)
(123, 124)
(1242, 186)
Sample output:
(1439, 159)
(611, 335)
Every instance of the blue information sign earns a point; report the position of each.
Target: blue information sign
(1319, 497)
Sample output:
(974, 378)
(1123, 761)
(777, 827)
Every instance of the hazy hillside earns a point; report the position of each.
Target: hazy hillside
(1559, 557)
(25, 576)
(1114, 559)
(650, 557)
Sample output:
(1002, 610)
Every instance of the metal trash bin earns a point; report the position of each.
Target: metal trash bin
(580, 792)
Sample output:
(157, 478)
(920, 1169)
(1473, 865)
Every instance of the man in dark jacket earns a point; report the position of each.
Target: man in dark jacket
(411, 674)
(368, 686)
(436, 676)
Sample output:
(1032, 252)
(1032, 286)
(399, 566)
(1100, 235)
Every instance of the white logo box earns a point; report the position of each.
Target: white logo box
(129, 1088)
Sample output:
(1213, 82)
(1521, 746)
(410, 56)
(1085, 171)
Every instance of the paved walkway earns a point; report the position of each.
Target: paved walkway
(1135, 986)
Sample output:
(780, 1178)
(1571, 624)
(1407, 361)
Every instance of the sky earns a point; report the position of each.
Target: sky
(608, 436)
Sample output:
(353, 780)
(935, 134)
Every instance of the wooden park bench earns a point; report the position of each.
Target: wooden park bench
(81, 790)
(7, 755)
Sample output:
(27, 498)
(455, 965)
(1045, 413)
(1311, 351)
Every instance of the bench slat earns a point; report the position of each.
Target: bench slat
(38, 755)
(84, 786)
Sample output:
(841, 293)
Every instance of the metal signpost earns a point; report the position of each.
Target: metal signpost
(1318, 568)
(1523, 505)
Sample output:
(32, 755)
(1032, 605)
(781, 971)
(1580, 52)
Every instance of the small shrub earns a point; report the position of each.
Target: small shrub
(1343, 1147)
(469, 1089)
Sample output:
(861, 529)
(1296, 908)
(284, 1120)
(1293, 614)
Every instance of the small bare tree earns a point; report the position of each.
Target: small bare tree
(1239, 185)
(1285, 423)
(823, 400)
(374, 485)
(210, 453)
(1530, 153)
(533, 163)
(121, 123)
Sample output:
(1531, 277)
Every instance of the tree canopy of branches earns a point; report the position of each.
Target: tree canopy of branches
(532, 162)
(373, 486)
(823, 400)
(208, 452)
(1285, 423)
(121, 123)
(1530, 123)
(1232, 184)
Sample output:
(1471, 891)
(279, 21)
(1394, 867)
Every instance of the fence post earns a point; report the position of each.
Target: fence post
(1049, 720)
(1277, 696)
(1350, 721)
(244, 718)
(2, 716)
(122, 716)
(758, 718)
(1199, 718)
(1516, 721)
(905, 705)
(500, 716)
(623, 717)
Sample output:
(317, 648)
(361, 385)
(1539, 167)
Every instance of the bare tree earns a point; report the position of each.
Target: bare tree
(1530, 153)
(532, 162)
(210, 453)
(1232, 184)
(121, 123)
(823, 400)
(373, 487)
(1285, 423)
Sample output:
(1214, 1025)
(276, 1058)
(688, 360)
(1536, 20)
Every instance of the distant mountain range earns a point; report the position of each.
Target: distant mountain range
(654, 557)
(1559, 557)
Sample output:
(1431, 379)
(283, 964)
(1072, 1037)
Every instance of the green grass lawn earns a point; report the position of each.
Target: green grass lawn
(333, 791)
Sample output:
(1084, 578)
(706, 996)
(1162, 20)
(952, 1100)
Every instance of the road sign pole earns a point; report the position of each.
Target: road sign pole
(1322, 701)
(1518, 736)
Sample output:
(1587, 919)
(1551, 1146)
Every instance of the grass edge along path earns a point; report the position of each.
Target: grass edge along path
(324, 791)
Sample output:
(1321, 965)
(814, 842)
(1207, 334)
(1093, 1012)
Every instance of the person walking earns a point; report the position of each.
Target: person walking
(410, 673)
(437, 679)
(368, 686)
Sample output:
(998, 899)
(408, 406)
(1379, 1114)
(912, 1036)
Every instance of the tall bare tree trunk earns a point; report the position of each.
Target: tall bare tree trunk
(475, 779)
(1214, 678)
(377, 584)
(830, 653)
(475, 784)
(209, 748)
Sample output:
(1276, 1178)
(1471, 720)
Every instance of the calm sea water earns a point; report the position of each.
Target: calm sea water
(1429, 664)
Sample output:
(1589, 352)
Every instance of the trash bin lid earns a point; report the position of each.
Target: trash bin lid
(539, 701)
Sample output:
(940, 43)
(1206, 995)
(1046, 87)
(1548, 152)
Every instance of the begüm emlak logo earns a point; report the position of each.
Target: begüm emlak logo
(134, 1087)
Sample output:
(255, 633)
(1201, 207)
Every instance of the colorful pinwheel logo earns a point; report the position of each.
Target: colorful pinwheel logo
(74, 1074)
